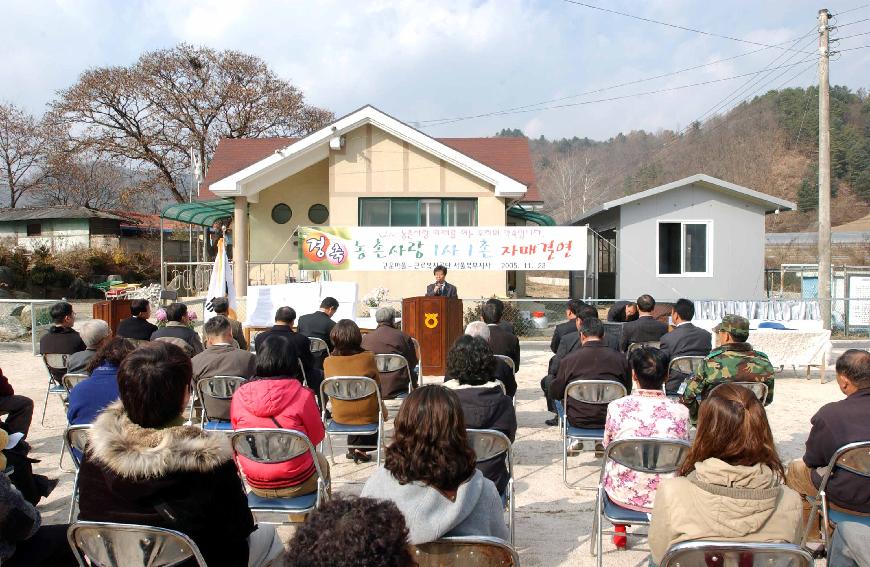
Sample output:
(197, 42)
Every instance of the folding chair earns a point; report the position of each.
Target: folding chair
(74, 440)
(644, 455)
(596, 392)
(853, 458)
(215, 394)
(394, 363)
(466, 551)
(70, 381)
(55, 365)
(273, 446)
(419, 361)
(318, 346)
(639, 344)
(351, 388)
(489, 444)
(510, 362)
(105, 544)
(683, 368)
(706, 553)
(757, 388)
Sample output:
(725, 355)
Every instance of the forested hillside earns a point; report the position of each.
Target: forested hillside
(768, 144)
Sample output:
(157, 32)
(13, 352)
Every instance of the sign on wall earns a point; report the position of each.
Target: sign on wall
(527, 248)
(859, 311)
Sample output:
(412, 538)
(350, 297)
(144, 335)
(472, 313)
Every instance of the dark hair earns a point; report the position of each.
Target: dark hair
(646, 303)
(217, 326)
(153, 381)
(430, 444)
(490, 314)
(574, 305)
(348, 531)
(685, 309)
(138, 306)
(440, 268)
(592, 328)
(854, 365)
(285, 314)
(329, 303)
(586, 312)
(499, 306)
(220, 305)
(176, 311)
(113, 352)
(650, 366)
(60, 311)
(733, 427)
(470, 361)
(346, 338)
(277, 357)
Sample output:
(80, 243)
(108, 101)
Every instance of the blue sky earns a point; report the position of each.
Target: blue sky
(423, 60)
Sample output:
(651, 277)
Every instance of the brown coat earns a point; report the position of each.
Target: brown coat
(389, 340)
(361, 412)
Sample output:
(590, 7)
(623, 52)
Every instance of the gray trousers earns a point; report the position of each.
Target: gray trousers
(851, 545)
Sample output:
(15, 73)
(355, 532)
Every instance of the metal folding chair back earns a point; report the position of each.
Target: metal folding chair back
(419, 361)
(507, 360)
(639, 344)
(103, 544)
(489, 444)
(348, 388)
(757, 388)
(685, 364)
(725, 554)
(75, 438)
(394, 363)
(215, 394)
(55, 366)
(70, 381)
(55, 362)
(594, 391)
(467, 551)
(317, 345)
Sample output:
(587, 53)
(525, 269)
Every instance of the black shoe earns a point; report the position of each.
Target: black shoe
(553, 421)
(358, 456)
(45, 485)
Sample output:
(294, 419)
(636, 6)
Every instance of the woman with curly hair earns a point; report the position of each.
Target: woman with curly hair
(429, 472)
(351, 532)
(484, 403)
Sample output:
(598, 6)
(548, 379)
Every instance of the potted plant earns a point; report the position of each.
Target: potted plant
(160, 315)
(374, 298)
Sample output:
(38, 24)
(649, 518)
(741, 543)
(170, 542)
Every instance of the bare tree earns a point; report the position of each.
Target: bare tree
(172, 100)
(570, 185)
(22, 151)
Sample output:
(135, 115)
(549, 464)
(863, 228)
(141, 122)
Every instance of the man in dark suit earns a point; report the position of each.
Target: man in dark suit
(283, 327)
(500, 341)
(684, 340)
(387, 339)
(319, 324)
(137, 326)
(645, 328)
(504, 325)
(569, 327)
(594, 361)
(441, 287)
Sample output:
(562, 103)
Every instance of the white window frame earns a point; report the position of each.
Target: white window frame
(683, 274)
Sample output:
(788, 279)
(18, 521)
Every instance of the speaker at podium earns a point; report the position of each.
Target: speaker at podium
(436, 322)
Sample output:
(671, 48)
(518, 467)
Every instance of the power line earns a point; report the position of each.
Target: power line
(838, 26)
(670, 25)
(851, 10)
(853, 48)
(853, 35)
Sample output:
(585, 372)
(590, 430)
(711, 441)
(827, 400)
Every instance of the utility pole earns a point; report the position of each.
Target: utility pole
(824, 173)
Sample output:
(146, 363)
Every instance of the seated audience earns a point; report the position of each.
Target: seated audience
(622, 312)
(348, 358)
(177, 331)
(684, 339)
(646, 412)
(18, 409)
(568, 327)
(221, 306)
(283, 327)
(850, 546)
(837, 424)
(221, 357)
(275, 397)
(24, 541)
(500, 341)
(143, 466)
(387, 339)
(349, 532)
(645, 328)
(729, 487)
(137, 326)
(500, 307)
(429, 472)
(500, 370)
(319, 325)
(733, 360)
(95, 333)
(93, 394)
(594, 361)
(484, 404)
(61, 338)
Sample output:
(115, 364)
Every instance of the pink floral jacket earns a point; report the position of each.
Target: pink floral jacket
(644, 413)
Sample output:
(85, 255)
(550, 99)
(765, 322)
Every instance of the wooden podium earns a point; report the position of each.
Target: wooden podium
(436, 322)
(112, 311)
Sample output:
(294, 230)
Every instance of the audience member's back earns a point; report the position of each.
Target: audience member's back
(92, 395)
(646, 328)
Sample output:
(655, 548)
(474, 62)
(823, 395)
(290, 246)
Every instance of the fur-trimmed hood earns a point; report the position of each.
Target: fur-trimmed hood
(135, 452)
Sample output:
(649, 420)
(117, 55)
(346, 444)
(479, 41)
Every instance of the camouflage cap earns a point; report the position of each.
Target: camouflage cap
(735, 325)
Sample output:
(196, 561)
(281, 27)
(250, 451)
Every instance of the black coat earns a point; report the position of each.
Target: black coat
(561, 330)
(136, 328)
(686, 340)
(61, 340)
(182, 332)
(504, 343)
(642, 330)
(317, 325)
(297, 341)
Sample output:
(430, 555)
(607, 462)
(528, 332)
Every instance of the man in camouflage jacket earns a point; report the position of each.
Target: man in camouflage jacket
(733, 361)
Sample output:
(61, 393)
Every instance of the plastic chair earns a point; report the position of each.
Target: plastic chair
(272, 446)
(55, 365)
(596, 392)
(351, 388)
(684, 366)
(74, 440)
(644, 455)
(466, 551)
(419, 361)
(215, 394)
(394, 363)
(489, 444)
(105, 544)
(853, 458)
(757, 388)
(706, 553)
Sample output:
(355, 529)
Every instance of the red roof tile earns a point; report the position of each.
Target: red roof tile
(509, 156)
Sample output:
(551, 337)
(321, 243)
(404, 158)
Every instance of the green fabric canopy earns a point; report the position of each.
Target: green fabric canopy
(202, 213)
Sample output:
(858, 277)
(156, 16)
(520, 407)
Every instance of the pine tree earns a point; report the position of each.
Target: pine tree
(807, 196)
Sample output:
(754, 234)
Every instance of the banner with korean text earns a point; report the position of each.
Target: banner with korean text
(528, 248)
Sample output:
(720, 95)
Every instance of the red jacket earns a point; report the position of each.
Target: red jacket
(260, 403)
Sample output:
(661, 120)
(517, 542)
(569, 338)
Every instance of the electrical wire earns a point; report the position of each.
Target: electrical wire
(851, 10)
(853, 48)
